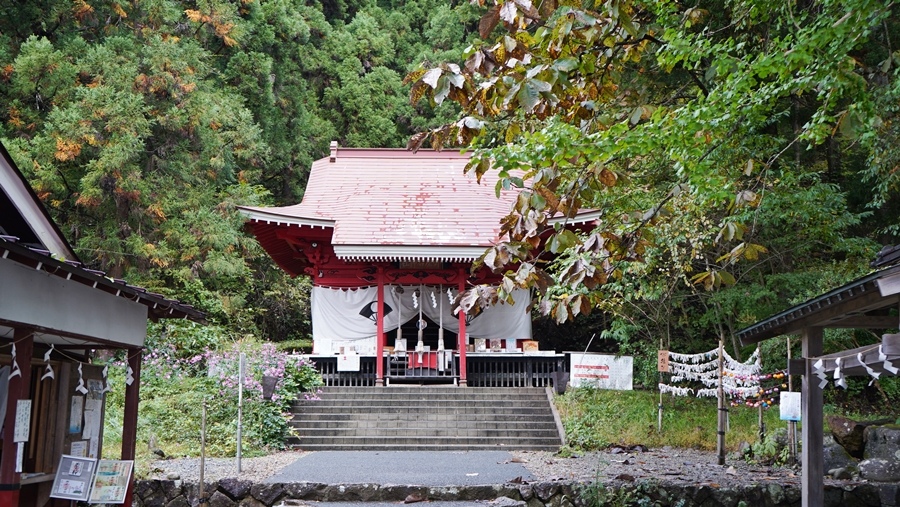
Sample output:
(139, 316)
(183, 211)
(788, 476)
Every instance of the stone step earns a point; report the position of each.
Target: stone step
(415, 424)
(435, 409)
(426, 393)
(305, 432)
(423, 402)
(426, 390)
(425, 418)
(416, 442)
(440, 446)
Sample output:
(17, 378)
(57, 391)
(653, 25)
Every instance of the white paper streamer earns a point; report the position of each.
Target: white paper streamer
(129, 376)
(49, 373)
(106, 388)
(14, 371)
(741, 379)
(819, 371)
(433, 300)
(80, 387)
(874, 374)
(20, 454)
(676, 391)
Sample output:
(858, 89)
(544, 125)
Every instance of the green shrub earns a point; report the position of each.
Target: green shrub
(176, 382)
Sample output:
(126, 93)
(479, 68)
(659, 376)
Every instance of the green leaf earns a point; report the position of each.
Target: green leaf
(442, 90)
(565, 64)
(562, 240)
(528, 96)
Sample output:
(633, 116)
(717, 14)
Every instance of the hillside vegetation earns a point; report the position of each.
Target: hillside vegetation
(742, 155)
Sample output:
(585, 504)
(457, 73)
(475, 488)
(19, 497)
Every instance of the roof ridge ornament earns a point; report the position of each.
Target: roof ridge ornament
(334, 149)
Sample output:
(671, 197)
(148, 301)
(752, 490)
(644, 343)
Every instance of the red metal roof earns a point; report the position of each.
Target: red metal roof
(384, 202)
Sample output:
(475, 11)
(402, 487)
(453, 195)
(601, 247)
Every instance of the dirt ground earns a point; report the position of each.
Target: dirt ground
(685, 466)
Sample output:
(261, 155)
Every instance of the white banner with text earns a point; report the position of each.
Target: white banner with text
(602, 371)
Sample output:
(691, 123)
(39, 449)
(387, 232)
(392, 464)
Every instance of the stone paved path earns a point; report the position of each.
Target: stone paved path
(421, 468)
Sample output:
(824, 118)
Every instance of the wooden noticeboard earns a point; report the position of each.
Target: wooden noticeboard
(73, 478)
(662, 361)
(111, 481)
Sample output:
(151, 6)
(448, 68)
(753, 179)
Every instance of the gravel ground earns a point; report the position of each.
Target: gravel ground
(674, 465)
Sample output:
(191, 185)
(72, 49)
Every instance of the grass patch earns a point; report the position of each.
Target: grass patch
(595, 419)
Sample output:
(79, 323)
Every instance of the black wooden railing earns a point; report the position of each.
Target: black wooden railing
(499, 370)
(482, 370)
(431, 365)
(328, 368)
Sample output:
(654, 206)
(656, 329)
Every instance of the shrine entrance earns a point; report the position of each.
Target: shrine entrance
(389, 239)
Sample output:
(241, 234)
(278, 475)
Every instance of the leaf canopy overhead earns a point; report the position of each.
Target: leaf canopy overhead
(687, 126)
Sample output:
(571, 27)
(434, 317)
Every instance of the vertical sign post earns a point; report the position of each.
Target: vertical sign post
(720, 441)
(203, 494)
(662, 365)
(240, 421)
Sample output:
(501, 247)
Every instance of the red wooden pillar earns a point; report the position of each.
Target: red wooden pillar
(19, 389)
(463, 342)
(379, 336)
(130, 416)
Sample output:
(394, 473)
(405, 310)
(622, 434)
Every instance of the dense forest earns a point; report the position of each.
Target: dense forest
(141, 125)
(744, 153)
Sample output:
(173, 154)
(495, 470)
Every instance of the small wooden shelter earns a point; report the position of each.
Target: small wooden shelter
(54, 312)
(388, 238)
(870, 302)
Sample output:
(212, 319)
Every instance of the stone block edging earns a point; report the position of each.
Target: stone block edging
(238, 493)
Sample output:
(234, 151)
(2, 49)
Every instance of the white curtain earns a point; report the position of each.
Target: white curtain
(347, 317)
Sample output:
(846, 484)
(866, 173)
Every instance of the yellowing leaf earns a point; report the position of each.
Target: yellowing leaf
(66, 150)
(81, 9)
(608, 177)
(119, 10)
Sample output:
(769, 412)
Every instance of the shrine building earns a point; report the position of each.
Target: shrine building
(388, 238)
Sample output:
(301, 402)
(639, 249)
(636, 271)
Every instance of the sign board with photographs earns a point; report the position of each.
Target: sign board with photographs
(73, 478)
(111, 481)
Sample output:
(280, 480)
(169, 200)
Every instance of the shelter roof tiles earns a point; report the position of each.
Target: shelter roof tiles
(158, 305)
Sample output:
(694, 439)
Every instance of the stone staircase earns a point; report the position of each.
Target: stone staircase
(421, 418)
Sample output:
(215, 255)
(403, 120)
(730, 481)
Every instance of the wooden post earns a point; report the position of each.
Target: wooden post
(792, 425)
(130, 415)
(720, 432)
(203, 495)
(461, 338)
(811, 459)
(379, 331)
(18, 389)
(662, 365)
(762, 421)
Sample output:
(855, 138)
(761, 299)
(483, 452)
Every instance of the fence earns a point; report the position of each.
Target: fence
(482, 370)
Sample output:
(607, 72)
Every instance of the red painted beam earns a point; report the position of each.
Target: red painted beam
(19, 389)
(130, 417)
(463, 342)
(379, 338)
